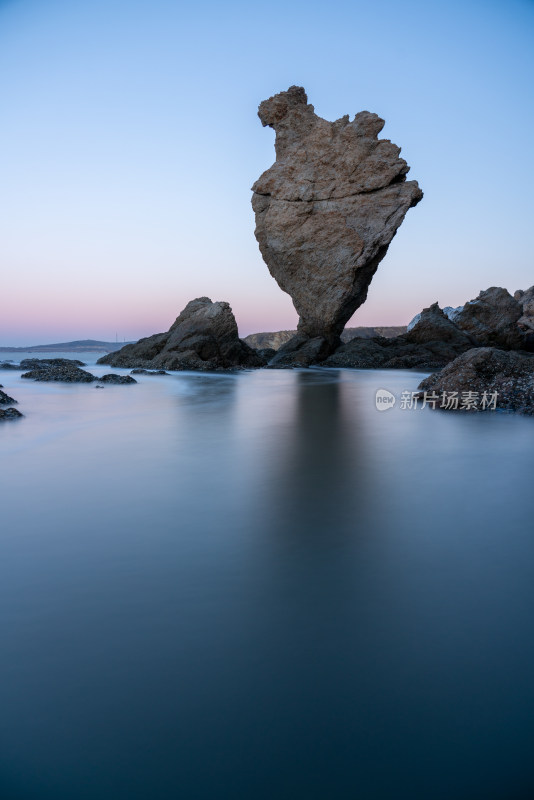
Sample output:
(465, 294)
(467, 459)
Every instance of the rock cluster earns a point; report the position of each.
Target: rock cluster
(430, 344)
(65, 370)
(7, 413)
(487, 369)
(326, 212)
(204, 337)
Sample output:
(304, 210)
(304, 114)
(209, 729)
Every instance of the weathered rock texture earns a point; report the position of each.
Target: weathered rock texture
(493, 318)
(486, 369)
(326, 212)
(526, 301)
(204, 337)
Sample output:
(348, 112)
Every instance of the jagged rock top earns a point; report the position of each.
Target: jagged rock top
(321, 160)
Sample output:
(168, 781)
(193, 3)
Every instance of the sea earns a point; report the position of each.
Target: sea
(259, 586)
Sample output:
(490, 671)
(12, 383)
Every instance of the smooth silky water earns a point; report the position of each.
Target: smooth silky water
(255, 585)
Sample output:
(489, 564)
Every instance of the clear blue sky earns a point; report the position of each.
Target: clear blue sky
(129, 142)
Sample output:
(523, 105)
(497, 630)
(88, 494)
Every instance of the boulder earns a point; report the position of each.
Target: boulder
(40, 363)
(140, 371)
(204, 337)
(326, 212)
(526, 301)
(488, 370)
(492, 320)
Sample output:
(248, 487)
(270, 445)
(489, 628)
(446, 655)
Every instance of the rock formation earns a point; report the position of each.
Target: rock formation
(492, 319)
(326, 212)
(486, 369)
(204, 337)
(432, 342)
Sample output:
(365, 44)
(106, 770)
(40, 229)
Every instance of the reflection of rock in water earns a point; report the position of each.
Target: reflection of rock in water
(320, 486)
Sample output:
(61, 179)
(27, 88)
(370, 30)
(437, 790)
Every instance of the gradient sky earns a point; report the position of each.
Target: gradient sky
(129, 142)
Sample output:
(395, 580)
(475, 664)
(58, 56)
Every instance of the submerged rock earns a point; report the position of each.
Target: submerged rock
(140, 371)
(65, 373)
(118, 379)
(9, 413)
(488, 370)
(5, 399)
(63, 370)
(326, 212)
(9, 365)
(204, 337)
(41, 363)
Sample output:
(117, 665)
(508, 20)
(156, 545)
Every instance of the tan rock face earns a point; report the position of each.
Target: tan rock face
(327, 209)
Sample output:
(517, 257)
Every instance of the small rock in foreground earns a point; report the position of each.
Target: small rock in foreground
(9, 413)
(113, 378)
(141, 371)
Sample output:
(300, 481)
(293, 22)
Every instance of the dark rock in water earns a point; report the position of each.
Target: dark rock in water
(41, 363)
(326, 212)
(140, 371)
(118, 379)
(204, 337)
(485, 371)
(430, 344)
(67, 373)
(9, 365)
(9, 413)
(5, 399)
(492, 321)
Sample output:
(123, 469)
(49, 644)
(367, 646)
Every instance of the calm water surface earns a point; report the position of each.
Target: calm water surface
(257, 586)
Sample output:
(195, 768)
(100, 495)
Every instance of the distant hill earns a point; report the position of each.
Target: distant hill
(276, 339)
(81, 346)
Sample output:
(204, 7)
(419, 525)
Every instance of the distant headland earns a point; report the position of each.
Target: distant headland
(80, 346)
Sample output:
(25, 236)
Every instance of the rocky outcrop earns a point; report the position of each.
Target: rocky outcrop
(492, 319)
(204, 337)
(326, 212)
(9, 413)
(484, 371)
(430, 344)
